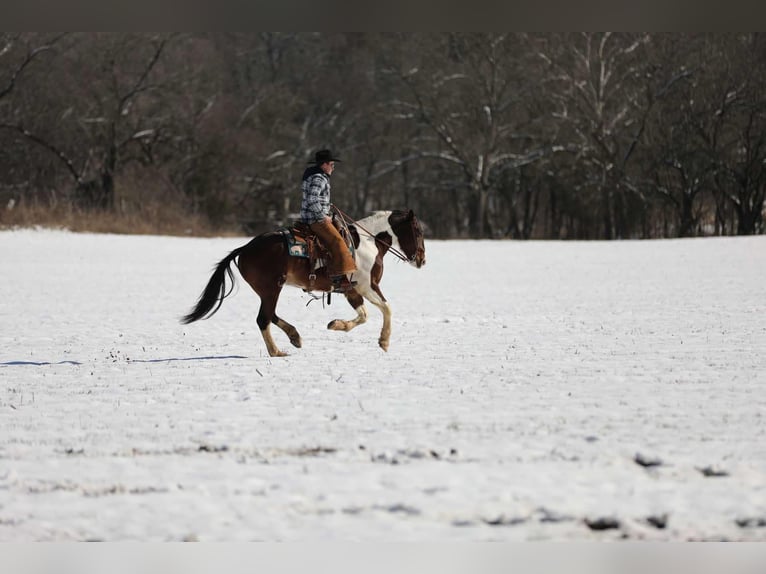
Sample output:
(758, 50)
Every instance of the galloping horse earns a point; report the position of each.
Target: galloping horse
(266, 264)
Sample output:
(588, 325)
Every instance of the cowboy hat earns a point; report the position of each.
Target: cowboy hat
(323, 156)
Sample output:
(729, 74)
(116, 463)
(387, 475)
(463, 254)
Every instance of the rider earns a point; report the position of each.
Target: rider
(315, 212)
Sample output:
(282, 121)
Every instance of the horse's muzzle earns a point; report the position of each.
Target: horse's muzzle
(420, 258)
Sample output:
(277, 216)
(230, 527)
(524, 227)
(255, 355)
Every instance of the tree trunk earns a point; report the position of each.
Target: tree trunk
(107, 178)
(745, 220)
(686, 224)
(479, 199)
(606, 213)
(554, 216)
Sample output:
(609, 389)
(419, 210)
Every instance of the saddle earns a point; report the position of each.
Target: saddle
(302, 242)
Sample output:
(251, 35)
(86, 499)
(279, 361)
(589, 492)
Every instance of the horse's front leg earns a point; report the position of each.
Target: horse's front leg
(357, 302)
(375, 297)
(385, 332)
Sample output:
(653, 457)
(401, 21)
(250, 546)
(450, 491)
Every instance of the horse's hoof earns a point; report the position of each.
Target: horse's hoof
(278, 353)
(383, 345)
(296, 342)
(337, 325)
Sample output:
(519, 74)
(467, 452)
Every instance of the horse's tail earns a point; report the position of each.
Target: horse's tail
(215, 292)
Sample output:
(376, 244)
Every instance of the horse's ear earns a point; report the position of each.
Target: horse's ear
(411, 215)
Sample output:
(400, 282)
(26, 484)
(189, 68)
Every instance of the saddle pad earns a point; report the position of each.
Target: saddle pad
(295, 247)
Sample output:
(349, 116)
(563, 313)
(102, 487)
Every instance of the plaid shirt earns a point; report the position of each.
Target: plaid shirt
(315, 204)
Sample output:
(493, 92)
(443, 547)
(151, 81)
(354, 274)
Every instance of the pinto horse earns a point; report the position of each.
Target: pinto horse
(266, 264)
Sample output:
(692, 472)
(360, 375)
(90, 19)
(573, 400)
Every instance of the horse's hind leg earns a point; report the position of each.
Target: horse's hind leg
(267, 315)
(264, 267)
(356, 301)
(289, 330)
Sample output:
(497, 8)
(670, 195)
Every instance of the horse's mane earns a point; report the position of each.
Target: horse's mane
(375, 219)
(380, 213)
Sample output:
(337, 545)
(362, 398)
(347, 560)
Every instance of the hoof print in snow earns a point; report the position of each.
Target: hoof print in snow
(549, 516)
(211, 448)
(385, 458)
(405, 455)
(400, 508)
(604, 523)
(647, 461)
(659, 521)
(314, 451)
(503, 520)
(752, 522)
(712, 472)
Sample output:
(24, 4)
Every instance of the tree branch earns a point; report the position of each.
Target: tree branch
(47, 145)
(140, 84)
(31, 55)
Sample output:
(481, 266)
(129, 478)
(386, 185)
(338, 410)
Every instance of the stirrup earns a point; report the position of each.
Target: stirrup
(341, 284)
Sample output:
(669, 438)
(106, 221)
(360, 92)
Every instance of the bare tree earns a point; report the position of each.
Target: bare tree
(114, 118)
(18, 55)
(659, 132)
(741, 161)
(599, 91)
(469, 94)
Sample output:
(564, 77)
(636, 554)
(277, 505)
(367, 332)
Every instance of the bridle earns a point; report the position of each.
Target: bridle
(347, 219)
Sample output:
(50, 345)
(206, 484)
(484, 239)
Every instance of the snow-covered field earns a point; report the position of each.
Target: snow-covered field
(523, 383)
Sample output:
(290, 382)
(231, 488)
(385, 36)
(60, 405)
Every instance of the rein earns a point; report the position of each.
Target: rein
(348, 219)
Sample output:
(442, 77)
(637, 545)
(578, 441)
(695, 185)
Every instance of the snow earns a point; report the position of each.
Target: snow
(523, 381)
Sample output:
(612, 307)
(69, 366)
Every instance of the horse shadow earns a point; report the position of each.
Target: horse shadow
(78, 363)
(172, 359)
(37, 363)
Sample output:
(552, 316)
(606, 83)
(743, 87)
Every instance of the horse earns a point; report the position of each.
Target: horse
(266, 264)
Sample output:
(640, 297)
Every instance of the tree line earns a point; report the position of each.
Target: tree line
(485, 135)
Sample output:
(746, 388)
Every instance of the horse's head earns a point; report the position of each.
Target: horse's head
(410, 236)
